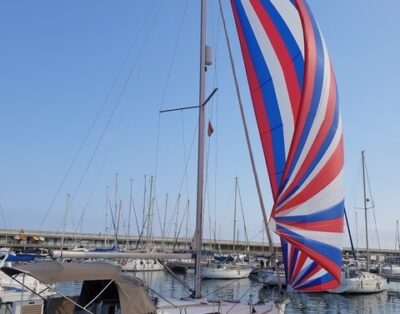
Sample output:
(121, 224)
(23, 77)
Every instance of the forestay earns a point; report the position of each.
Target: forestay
(293, 90)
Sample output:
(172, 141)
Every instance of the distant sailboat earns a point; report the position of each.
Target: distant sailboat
(355, 281)
(225, 267)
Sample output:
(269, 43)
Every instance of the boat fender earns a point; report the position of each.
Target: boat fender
(35, 286)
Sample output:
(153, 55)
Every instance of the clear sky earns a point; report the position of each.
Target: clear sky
(60, 69)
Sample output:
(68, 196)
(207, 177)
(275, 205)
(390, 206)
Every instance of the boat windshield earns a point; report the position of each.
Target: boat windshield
(353, 274)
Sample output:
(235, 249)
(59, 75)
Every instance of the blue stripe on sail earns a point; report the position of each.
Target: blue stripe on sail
(333, 212)
(317, 91)
(322, 150)
(268, 93)
(317, 281)
(284, 245)
(288, 38)
(327, 250)
(325, 145)
(293, 261)
(305, 272)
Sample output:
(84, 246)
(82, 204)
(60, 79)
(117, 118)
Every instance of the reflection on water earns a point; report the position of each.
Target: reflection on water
(245, 290)
(384, 302)
(332, 303)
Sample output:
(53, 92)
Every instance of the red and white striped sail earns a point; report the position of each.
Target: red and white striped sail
(293, 89)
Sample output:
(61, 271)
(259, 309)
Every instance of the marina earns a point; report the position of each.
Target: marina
(52, 240)
(190, 157)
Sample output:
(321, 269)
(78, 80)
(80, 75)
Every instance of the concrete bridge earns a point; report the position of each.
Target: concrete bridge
(28, 239)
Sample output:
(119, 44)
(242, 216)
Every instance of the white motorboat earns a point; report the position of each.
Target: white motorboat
(222, 271)
(10, 284)
(21, 291)
(355, 281)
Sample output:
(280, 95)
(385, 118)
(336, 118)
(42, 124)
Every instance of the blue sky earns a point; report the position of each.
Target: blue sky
(59, 61)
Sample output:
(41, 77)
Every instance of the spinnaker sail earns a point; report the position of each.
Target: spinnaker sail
(294, 95)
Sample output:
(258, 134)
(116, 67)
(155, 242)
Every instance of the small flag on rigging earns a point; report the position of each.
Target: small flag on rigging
(210, 129)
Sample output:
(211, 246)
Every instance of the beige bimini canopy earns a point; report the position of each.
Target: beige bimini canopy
(133, 297)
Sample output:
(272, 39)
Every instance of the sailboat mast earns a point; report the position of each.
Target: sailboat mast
(129, 214)
(106, 219)
(365, 206)
(116, 227)
(234, 216)
(200, 161)
(65, 220)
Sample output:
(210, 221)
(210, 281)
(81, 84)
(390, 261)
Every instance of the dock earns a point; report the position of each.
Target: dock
(29, 239)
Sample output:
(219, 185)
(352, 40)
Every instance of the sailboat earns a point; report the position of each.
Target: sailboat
(391, 269)
(355, 281)
(293, 91)
(227, 268)
(22, 290)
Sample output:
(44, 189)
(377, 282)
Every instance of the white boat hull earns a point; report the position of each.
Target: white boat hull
(140, 265)
(363, 283)
(391, 269)
(270, 278)
(205, 307)
(225, 273)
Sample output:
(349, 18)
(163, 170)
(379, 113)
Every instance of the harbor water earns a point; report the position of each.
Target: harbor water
(246, 290)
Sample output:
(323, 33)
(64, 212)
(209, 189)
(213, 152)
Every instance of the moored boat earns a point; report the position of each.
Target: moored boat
(106, 288)
(140, 265)
(269, 277)
(225, 271)
(391, 269)
(360, 282)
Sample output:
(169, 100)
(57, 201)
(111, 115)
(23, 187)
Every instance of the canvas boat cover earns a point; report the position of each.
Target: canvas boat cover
(132, 295)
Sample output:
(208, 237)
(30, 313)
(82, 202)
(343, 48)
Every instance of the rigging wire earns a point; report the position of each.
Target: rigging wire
(186, 165)
(165, 89)
(172, 62)
(106, 219)
(214, 105)
(133, 67)
(135, 213)
(157, 206)
(180, 227)
(172, 217)
(93, 188)
(99, 111)
(184, 153)
(352, 201)
(373, 205)
(244, 221)
(230, 282)
(240, 299)
(216, 101)
(114, 109)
